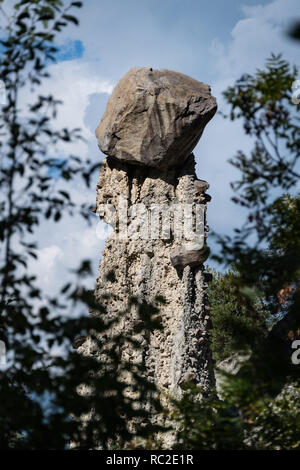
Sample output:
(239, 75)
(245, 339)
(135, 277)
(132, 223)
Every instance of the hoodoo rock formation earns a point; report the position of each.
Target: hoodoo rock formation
(149, 192)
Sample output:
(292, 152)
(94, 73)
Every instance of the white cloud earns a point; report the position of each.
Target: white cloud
(253, 38)
(79, 82)
(71, 242)
(63, 245)
(277, 11)
(73, 82)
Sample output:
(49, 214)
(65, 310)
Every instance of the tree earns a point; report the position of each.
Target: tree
(258, 404)
(39, 403)
(239, 420)
(265, 249)
(239, 320)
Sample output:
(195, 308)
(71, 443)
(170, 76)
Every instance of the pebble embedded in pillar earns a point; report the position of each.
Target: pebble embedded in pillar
(182, 257)
(201, 186)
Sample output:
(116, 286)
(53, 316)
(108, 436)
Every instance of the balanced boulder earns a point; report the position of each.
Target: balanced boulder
(155, 117)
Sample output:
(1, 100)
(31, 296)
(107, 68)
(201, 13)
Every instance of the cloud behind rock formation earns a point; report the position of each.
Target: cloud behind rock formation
(155, 117)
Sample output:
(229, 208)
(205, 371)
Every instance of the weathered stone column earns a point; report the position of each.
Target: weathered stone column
(152, 122)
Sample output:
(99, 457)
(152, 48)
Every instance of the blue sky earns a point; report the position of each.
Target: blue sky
(213, 41)
(70, 50)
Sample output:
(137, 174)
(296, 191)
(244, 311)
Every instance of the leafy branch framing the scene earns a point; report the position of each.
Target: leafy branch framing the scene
(41, 405)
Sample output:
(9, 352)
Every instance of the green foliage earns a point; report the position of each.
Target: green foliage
(274, 424)
(206, 425)
(47, 388)
(266, 253)
(256, 306)
(28, 194)
(269, 423)
(238, 319)
(115, 391)
(264, 103)
(241, 420)
(269, 262)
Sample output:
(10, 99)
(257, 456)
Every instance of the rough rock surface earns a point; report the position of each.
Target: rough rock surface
(201, 186)
(144, 267)
(193, 257)
(155, 117)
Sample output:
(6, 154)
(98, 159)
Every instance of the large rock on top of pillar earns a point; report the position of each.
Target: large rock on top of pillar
(155, 117)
